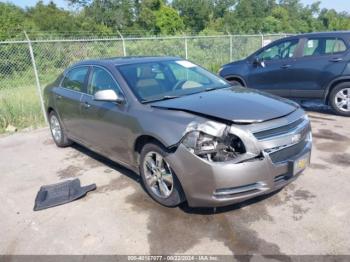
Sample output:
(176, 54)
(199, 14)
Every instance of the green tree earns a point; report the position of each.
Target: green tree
(11, 20)
(195, 13)
(331, 20)
(168, 21)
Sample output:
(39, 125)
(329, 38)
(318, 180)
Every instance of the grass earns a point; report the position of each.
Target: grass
(20, 107)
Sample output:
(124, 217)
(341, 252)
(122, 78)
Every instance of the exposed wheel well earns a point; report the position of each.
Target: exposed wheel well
(235, 78)
(49, 110)
(333, 86)
(143, 140)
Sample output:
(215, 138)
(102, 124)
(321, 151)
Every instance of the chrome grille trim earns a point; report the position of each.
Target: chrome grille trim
(288, 152)
(277, 131)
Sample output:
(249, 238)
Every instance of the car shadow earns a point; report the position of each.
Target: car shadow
(315, 106)
(184, 206)
(107, 162)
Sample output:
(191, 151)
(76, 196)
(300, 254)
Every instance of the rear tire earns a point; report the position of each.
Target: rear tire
(339, 99)
(57, 131)
(158, 178)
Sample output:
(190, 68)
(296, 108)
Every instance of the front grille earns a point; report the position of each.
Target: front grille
(278, 130)
(288, 152)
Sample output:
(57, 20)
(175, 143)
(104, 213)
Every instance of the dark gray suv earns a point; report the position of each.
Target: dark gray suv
(307, 66)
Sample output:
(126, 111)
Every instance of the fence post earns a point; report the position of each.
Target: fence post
(186, 50)
(231, 48)
(123, 42)
(262, 40)
(36, 76)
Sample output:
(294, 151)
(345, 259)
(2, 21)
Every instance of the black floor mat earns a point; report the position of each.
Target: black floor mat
(61, 193)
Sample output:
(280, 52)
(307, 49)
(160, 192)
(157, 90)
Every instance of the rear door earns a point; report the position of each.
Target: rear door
(273, 75)
(68, 96)
(107, 125)
(321, 60)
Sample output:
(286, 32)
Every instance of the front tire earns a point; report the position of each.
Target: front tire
(235, 82)
(339, 99)
(158, 177)
(57, 132)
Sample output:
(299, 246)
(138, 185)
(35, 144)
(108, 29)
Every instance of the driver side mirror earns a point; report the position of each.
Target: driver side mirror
(258, 62)
(109, 95)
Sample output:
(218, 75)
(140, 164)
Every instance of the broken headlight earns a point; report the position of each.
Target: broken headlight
(211, 148)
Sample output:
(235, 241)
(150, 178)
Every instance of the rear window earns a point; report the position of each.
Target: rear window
(323, 46)
(75, 78)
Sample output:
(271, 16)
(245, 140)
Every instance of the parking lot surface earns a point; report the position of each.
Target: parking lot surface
(309, 216)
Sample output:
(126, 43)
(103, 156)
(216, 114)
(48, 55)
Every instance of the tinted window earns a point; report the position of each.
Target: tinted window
(323, 46)
(75, 79)
(101, 80)
(157, 80)
(278, 51)
(338, 46)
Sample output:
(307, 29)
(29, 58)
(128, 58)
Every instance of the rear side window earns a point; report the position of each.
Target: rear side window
(75, 79)
(102, 80)
(323, 46)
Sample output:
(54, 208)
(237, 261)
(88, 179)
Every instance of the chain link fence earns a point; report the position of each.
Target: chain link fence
(20, 100)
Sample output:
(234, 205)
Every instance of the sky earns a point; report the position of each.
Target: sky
(339, 5)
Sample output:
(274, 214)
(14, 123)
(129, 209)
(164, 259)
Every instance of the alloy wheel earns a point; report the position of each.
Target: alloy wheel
(158, 174)
(342, 99)
(55, 128)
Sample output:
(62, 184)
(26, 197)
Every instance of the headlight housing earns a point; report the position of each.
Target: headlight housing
(214, 149)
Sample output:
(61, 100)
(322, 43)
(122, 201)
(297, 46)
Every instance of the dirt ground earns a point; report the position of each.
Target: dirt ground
(309, 216)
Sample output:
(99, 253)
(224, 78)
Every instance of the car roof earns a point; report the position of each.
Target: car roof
(115, 61)
(316, 34)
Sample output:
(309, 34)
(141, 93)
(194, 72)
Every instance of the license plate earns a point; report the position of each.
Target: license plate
(301, 163)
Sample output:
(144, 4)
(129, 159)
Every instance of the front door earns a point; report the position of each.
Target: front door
(273, 74)
(107, 125)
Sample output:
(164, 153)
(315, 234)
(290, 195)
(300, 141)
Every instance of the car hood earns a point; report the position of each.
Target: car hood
(235, 63)
(234, 104)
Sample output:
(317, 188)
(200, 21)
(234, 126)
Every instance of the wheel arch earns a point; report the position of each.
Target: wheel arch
(332, 85)
(237, 78)
(49, 110)
(144, 139)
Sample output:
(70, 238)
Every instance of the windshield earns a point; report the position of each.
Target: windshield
(160, 80)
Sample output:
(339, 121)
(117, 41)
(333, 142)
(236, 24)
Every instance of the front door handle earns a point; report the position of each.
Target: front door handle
(336, 59)
(86, 105)
(285, 66)
(58, 97)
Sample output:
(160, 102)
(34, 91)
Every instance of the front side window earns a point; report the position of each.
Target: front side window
(279, 51)
(160, 80)
(323, 46)
(102, 80)
(75, 79)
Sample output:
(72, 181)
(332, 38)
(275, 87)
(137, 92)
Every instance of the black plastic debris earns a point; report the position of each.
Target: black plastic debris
(60, 193)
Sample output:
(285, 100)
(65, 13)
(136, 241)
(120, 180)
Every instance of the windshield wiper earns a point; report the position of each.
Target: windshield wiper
(159, 99)
(210, 89)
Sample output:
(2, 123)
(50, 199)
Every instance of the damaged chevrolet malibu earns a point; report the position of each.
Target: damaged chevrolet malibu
(188, 133)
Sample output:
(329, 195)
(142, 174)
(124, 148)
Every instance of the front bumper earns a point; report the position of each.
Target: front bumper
(212, 184)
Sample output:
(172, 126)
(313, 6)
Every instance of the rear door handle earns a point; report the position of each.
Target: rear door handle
(336, 59)
(285, 66)
(58, 97)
